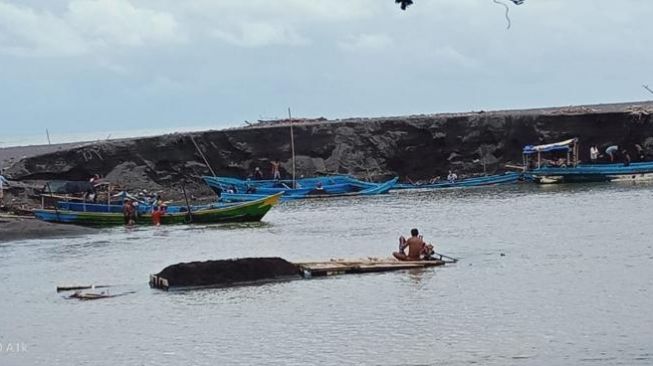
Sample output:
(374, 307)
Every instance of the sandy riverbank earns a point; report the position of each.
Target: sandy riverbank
(20, 228)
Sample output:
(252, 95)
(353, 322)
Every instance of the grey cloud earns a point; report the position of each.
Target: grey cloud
(221, 62)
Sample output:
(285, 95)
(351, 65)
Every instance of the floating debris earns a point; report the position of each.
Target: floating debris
(83, 287)
(95, 295)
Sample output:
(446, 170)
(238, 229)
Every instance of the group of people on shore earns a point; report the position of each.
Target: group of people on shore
(613, 153)
(452, 177)
(275, 172)
(130, 211)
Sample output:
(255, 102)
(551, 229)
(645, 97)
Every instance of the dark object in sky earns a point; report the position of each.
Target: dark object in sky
(406, 3)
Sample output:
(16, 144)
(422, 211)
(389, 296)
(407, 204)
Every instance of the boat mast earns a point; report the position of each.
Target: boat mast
(292, 148)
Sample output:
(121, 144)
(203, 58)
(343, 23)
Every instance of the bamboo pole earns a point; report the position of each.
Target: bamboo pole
(292, 149)
(202, 155)
(576, 155)
(56, 209)
(190, 214)
(539, 159)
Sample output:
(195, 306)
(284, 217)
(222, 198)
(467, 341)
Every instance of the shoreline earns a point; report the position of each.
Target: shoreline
(16, 228)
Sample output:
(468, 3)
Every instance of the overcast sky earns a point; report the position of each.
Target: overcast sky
(96, 67)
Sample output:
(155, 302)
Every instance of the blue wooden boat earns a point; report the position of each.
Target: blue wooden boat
(506, 178)
(380, 188)
(306, 186)
(283, 183)
(567, 168)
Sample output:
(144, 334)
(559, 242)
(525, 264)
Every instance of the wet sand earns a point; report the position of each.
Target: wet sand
(20, 228)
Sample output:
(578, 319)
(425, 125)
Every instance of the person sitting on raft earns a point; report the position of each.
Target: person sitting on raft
(417, 248)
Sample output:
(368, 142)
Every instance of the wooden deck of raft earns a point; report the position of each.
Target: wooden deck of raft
(318, 269)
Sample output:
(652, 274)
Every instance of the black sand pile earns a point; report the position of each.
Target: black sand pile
(227, 272)
(419, 147)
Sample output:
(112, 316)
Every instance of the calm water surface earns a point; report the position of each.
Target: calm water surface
(575, 286)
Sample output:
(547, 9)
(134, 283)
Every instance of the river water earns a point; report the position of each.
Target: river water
(549, 275)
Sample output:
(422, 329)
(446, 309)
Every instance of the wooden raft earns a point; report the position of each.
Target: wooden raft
(309, 270)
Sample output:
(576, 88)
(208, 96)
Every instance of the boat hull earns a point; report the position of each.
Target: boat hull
(247, 211)
(304, 186)
(507, 178)
(371, 190)
(593, 173)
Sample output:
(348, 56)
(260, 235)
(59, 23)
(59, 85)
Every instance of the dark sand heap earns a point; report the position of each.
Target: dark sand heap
(228, 272)
(18, 228)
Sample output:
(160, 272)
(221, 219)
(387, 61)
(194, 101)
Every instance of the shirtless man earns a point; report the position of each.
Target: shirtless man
(275, 169)
(415, 246)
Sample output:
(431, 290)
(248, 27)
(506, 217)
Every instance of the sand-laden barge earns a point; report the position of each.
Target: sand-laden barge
(247, 271)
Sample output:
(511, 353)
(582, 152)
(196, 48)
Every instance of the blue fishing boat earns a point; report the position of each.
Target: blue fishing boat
(219, 184)
(380, 188)
(566, 168)
(325, 185)
(287, 183)
(506, 178)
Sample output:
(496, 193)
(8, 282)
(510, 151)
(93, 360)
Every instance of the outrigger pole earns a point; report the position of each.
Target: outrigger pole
(292, 149)
(190, 214)
(202, 155)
